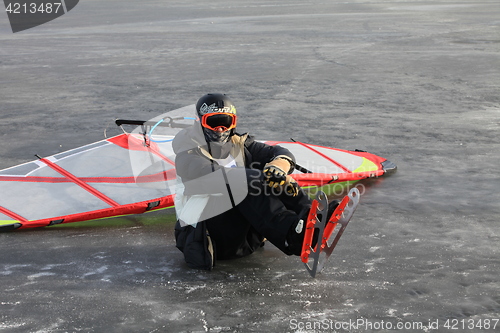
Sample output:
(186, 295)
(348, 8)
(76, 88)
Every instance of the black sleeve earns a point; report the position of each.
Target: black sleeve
(262, 153)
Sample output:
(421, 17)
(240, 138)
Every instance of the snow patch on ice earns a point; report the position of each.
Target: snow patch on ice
(13, 325)
(8, 267)
(193, 288)
(279, 275)
(392, 312)
(50, 266)
(34, 276)
(100, 270)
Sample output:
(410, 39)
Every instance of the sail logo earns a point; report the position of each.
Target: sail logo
(31, 13)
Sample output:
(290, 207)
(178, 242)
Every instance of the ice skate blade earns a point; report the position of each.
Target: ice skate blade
(315, 258)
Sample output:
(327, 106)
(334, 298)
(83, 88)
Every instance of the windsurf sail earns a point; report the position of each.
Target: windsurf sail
(134, 172)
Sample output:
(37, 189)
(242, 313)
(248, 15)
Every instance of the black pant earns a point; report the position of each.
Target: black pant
(264, 213)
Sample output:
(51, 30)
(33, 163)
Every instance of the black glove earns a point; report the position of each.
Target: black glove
(291, 186)
(275, 172)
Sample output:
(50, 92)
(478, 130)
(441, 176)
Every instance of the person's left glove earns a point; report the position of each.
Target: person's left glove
(291, 187)
(275, 172)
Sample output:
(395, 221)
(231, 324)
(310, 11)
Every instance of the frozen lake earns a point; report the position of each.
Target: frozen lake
(417, 82)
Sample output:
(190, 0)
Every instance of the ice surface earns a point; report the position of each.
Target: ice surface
(415, 82)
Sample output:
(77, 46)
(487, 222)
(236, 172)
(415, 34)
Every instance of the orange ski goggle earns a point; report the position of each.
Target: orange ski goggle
(219, 121)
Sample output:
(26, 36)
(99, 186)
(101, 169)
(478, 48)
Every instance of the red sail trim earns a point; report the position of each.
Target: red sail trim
(34, 179)
(129, 209)
(369, 156)
(13, 215)
(130, 142)
(157, 177)
(80, 183)
(161, 176)
(320, 179)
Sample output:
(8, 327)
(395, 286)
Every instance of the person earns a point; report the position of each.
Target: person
(233, 191)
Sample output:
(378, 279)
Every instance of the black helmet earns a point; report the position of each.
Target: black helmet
(217, 116)
(214, 103)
